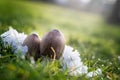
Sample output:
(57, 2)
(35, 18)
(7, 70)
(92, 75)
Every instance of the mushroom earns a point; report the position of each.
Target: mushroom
(32, 41)
(52, 44)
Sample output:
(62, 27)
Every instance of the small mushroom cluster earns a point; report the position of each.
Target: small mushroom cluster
(51, 45)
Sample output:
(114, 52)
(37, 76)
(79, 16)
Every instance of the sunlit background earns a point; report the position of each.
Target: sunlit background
(90, 26)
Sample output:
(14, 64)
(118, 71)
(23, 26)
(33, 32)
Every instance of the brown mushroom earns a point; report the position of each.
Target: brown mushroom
(32, 41)
(52, 44)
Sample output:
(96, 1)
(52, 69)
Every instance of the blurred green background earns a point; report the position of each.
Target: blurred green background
(95, 34)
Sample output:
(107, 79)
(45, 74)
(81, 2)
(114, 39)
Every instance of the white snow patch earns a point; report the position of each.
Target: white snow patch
(15, 39)
(71, 60)
(94, 73)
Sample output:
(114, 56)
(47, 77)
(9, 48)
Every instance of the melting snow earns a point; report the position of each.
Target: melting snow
(71, 60)
(15, 39)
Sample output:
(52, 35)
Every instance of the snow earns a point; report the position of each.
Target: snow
(71, 60)
(15, 39)
(94, 73)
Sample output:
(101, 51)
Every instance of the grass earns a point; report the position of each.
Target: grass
(97, 41)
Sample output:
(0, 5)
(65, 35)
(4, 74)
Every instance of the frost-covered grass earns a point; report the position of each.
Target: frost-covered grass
(97, 42)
